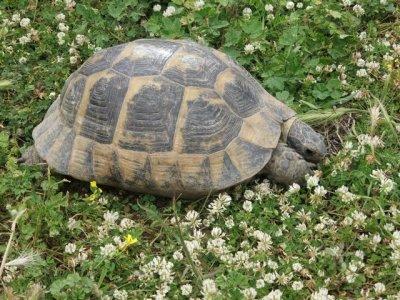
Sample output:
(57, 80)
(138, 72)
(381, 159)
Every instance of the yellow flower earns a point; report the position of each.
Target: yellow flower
(93, 184)
(128, 240)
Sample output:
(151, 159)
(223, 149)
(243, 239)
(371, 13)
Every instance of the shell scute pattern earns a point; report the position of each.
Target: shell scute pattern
(101, 60)
(72, 97)
(146, 58)
(105, 101)
(150, 123)
(210, 125)
(194, 66)
(159, 116)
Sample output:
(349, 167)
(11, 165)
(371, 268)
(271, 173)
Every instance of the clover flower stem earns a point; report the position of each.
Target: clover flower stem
(195, 270)
(13, 226)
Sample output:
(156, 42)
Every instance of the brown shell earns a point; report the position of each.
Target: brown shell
(163, 117)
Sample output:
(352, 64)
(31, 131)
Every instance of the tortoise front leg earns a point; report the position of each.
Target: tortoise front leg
(287, 166)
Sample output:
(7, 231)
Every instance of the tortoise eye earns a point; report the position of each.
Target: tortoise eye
(309, 152)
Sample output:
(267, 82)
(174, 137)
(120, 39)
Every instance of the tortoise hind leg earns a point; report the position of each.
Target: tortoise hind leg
(287, 166)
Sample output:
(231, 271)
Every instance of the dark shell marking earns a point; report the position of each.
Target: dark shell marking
(148, 58)
(194, 66)
(106, 98)
(209, 127)
(163, 117)
(152, 115)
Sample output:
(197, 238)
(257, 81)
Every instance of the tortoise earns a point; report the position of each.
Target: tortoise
(171, 117)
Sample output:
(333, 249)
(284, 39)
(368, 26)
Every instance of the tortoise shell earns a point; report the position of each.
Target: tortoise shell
(164, 117)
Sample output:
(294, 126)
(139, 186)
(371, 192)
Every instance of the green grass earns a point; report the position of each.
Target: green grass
(340, 235)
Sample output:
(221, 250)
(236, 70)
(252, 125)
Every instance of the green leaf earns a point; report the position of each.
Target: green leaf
(232, 36)
(285, 96)
(275, 83)
(4, 137)
(291, 36)
(335, 14)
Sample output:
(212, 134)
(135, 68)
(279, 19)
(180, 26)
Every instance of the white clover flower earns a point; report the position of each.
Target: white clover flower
(249, 293)
(247, 12)
(248, 194)
(270, 277)
(320, 191)
(379, 288)
(249, 48)
(260, 283)
(209, 288)
(25, 22)
(376, 239)
(299, 5)
(199, 4)
(170, 11)
(297, 285)
(345, 195)
(220, 204)
(312, 181)
(229, 223)
(80, 39)
(387, 185)
(69, 4)
(322, 294)
(297, 267)
(273, 295)
(301, 227)
(290, 5)
(360, 62)
(186, 289)
(70, 248)
(157, 8)
(178, 255)
(247, 206)
(16, 17)
(362, 36)
(110, 217)
(120, 295)
(60, 35)
(25, 39)
(270, 17)
(383, 2)
(272, 264)
(60, 17)
(22, 60)
(372, 66)
(62, 27)
(269, 8)
(108, 250)
(389, 227)
(358, 217)
(126, 223)
(293, 189)
(346, 3)
(192, 217)
(361, 73)
(358, 10)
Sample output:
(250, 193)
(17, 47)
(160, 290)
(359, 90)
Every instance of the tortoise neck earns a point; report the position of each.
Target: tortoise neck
(286, 127)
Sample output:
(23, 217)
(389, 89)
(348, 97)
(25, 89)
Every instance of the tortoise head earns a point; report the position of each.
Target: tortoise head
(305, 141)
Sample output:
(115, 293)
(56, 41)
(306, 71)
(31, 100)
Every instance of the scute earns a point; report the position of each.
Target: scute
(102, 112)
(193, 66)
(150, 123)
(146, 58)
(172, 118)
(101, 60)
(210, 125)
